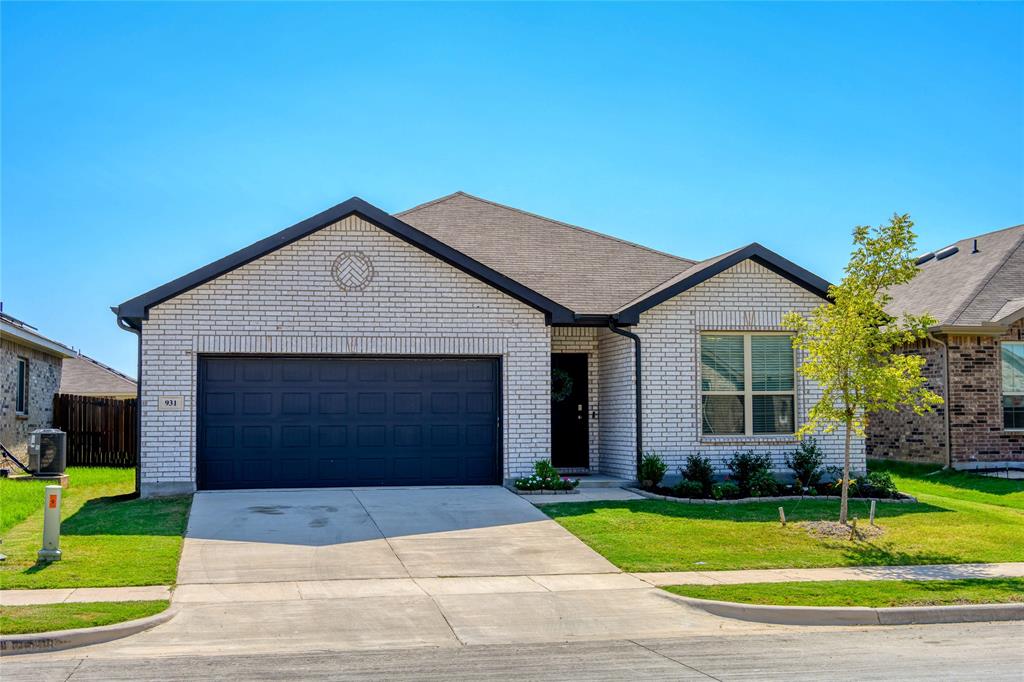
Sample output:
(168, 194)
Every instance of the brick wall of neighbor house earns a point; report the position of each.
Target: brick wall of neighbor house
(616, 405)
(975, 411)
(746, 297)
(903, 435)
(288, 302)
(43, 381)
(583, 340)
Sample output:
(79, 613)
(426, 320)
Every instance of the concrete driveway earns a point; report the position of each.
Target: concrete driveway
(344, 534)
(344, 569)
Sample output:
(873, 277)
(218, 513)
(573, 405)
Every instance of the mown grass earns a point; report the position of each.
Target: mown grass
(957, 520)
(19, 500)
(15, 620)
(107, 538)
(871, 593)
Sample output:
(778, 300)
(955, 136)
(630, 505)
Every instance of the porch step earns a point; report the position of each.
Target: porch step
(603, 481)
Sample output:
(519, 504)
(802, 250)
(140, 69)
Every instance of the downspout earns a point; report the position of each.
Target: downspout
(945, 396)
(138, 407)
(639, 393)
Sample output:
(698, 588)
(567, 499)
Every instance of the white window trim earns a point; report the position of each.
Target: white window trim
(1003, 392)
(748, 393)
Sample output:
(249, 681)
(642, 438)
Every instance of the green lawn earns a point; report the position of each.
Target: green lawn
(16, 620)
(873, 593)
(960, 518)
(107, 539)
(18, 500)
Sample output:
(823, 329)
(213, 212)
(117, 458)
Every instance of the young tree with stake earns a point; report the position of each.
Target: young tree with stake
(850, 347)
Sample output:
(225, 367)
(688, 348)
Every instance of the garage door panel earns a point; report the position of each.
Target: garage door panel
(320, 421)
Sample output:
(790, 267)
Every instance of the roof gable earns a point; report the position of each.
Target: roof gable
(134, 310)
(82, 375)
(705, 270)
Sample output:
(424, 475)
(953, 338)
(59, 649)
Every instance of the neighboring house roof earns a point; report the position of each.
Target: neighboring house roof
(27, 335)
(81, 375)
(589, 272)
(964, 287)
(573, 275)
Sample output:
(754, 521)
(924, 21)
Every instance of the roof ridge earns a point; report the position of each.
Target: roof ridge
(103, 366)
(550, 220)
(992, 273)
(979, 236)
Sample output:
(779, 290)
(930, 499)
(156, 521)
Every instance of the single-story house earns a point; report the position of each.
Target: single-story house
(31, 375)
(82, 375)
(975, 357)
(458, 342)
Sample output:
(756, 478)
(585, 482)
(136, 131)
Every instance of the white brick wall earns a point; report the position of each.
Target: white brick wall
(584, 340)
(747, 297)
(617, 406)
(287, 302)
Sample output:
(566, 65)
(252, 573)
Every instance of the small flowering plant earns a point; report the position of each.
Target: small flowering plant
(545, 477)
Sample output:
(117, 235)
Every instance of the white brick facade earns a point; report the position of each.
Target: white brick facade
(287, 302)
(746, 297)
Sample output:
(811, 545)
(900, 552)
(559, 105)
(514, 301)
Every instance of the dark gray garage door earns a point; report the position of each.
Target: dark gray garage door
(326, 421)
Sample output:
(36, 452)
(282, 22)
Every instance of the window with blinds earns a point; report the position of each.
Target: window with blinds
(747, 384)
(1013, 385)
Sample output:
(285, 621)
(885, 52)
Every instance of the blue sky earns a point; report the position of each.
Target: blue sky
(142, 141)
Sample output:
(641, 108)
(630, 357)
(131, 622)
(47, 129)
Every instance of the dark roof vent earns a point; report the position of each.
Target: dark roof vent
(975, 250)
(946, 252)
(925, 258)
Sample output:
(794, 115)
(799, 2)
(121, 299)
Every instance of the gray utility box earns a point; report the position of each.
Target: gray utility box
(47, 451)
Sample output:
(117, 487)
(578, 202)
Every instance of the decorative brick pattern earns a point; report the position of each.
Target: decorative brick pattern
(289, 302)
(903, 435)
(746, 297)
(584, 340)
(43, 382)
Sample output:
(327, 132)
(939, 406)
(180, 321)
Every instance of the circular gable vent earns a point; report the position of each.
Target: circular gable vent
(352, 271)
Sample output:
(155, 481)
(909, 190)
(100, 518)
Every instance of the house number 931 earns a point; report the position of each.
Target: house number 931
(171, 402)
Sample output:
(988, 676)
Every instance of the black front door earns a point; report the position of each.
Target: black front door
(570, 447)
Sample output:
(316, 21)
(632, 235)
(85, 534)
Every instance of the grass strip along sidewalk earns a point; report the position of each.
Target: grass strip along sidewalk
(107, 538)
(960, 518)
(17, 620)
(871, 593)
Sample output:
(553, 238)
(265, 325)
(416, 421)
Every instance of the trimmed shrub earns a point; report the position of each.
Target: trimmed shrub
(805, 462)
(652, 470)
(545, 477)
(689, 489)
(878, 484)
(744, 465)
(699, 470)
(763, 484)
(726, 490)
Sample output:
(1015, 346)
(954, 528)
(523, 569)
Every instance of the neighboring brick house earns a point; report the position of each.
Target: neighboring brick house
(975, 357)
(458, 343)
(82, 375)
(31, 374)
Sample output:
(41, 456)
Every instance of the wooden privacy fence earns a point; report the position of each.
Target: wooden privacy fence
(101, 431)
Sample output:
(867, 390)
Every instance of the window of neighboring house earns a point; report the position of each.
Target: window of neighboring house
(21, 398)
(1013, 385)
(747, 384)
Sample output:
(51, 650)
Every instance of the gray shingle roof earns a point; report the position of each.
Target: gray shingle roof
(589, 272)
(82, 375)
(968, 289)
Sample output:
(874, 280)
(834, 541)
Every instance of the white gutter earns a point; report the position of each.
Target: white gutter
(32, 339)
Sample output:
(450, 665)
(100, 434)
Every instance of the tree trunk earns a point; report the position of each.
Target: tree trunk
(844, 501)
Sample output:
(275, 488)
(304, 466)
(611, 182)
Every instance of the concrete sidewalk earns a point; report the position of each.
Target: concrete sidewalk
(780, 575)
(379, 587)
(79, 595)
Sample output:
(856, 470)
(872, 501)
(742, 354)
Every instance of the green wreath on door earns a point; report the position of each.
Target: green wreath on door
(561, 385)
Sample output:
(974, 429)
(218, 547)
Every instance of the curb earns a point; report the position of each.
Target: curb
(856, 615)
(42, 642)
(903, 499)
